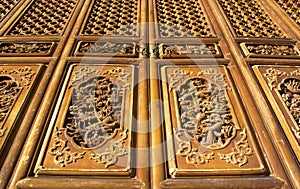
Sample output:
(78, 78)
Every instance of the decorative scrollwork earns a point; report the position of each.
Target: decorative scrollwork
(37, 47)
(272, 76)
(271, 50)
(240, 152)
(204, 114)
(62, 152)
(111, 154)
(117, 49)
(93, 121)
(169, 51)
(288, 86)
(9, 92)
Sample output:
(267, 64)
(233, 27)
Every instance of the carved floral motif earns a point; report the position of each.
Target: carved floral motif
(271, 50)
(118, 49)
(11, 84)
(240, 152)
(111, 154)
(288, 86)
(93, 119)
(37, 47)
(62, 152)
(206, 122)
(169, 51)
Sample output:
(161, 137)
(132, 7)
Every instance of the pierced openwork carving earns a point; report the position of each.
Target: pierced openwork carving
(94, 121)
(288, 87)
(44, 17)
(26, 48)
(6, 6)
(292, 8)
(191, 50)
(113, 49)
(249, 19)
(182, 19)
(112, 18)
(206, 123)
(263, 50)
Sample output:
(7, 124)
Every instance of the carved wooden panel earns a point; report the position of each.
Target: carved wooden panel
(182, 19)
(292, 8)
(282, 86)
(43, 17)
(110, 49)
(249, 19)
(263, 50)
(27, 49)
(206, 131)
(16, 83)
(189, 50)
(92, 132)
(6, 6)
(112, 18)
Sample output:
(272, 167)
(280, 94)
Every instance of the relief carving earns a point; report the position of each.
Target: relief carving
(206, 121)
(41, 48)
(12, 83)
(94, 117)
(62, 152)
(249, 19)
(169, 51)
(112, 18)
(44, 17)
(240, 152)
(117, 49)
(288, 86)
(270, 50)
(182, 19)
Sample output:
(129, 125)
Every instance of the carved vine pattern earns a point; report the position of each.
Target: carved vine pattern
(289, 90)
(240, 152)
(10, 89)
(173, 50)
(62, 152)
(94, 121)
(274, 50)
(107, 47)
(205, 116)
(42, 48)
(111, 154)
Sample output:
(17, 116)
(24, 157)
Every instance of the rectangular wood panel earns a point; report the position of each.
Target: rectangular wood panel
(206, 130)
(91, 135)
(17, 82)
(282, 86)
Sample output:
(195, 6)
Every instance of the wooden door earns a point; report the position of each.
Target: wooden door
(149, 94)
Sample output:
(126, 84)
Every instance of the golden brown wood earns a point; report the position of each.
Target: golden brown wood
(149, 94)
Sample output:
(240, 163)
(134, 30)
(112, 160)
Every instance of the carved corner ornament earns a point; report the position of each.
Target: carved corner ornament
(62, 152)
(205, 123)
(287, 84)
